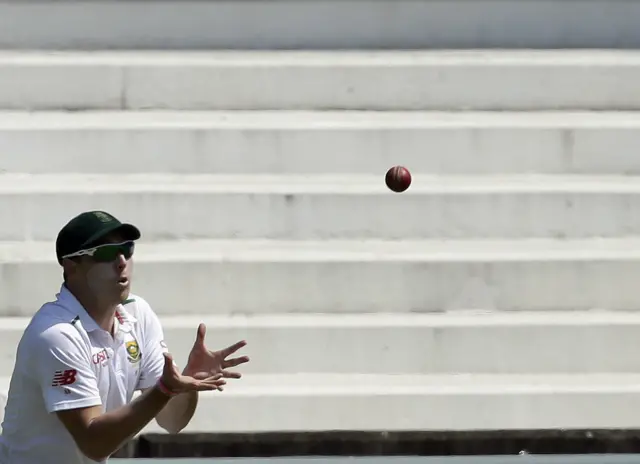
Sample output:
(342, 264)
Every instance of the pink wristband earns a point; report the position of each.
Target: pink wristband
(163, 388)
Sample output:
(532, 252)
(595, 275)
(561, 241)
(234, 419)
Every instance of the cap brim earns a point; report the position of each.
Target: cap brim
(128, 231)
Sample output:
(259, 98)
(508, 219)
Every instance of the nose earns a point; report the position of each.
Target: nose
(121, 261)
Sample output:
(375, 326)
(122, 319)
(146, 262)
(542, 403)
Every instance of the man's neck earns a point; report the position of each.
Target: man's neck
(102, 313)
(104, 317)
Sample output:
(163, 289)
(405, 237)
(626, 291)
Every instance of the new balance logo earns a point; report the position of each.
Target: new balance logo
(61, 378)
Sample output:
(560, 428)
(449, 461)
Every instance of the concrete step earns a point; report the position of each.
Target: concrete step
(303, 142)
(389, 402)
(263, 277)
(394, 80)
(319, 402)
(320, 207)
(302, 24)
(402, 344)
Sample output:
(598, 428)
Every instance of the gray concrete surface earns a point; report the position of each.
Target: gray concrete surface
(401, 80)
(307, 142)
(267, 277)
(328, 207)
(408, 345)
(184, 272)
(294, 24)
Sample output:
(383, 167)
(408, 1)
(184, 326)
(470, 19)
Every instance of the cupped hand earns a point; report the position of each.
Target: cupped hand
(181, 383)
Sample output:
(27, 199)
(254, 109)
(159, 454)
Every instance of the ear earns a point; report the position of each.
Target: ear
(69, 267)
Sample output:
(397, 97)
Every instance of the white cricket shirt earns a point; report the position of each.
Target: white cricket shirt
(65, 361)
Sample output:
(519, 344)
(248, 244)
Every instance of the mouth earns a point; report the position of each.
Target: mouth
(123, 281)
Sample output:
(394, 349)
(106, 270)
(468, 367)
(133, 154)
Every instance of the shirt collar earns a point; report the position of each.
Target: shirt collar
(124, 320)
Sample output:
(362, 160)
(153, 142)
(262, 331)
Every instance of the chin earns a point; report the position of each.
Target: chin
(124, 294)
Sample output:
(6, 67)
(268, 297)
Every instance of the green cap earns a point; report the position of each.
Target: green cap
(87, 229)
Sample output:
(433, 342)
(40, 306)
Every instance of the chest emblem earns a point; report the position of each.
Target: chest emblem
(133, 351)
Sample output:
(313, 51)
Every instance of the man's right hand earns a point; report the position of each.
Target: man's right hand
(178, 383)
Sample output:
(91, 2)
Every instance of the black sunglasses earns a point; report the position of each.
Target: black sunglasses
(107, 252)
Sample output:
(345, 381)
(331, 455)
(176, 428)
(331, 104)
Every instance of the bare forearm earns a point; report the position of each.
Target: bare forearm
(176, 415)
(109, 431)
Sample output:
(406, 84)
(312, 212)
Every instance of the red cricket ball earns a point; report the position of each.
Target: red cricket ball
(398, 179)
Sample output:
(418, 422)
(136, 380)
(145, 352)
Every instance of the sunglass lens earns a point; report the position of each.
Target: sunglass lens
(107, 253)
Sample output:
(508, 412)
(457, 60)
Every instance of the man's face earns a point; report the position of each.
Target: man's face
(108, 281)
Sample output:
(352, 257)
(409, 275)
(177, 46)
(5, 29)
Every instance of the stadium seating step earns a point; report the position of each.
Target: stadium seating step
(315, 402)
(320, 142)
(321, 80)
(470, 342)
(451, 402)
(350, 276)
(325, 207)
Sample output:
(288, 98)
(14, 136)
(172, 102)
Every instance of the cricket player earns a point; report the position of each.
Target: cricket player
(83, 356)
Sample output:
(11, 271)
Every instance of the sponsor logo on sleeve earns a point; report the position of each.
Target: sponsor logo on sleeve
(62, 378)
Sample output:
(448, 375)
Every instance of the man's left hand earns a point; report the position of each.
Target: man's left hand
(203, 363)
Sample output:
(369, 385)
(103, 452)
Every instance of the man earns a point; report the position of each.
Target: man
(83, 355)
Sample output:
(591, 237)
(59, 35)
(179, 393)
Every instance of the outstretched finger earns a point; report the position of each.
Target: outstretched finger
(200, 334)
(235, 362)
(231, 375)
(233, 348)
(206, 375)
(214, 383)
(206, 385)
(169, 365)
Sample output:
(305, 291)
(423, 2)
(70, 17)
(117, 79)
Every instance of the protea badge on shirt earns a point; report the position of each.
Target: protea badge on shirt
(133, 351)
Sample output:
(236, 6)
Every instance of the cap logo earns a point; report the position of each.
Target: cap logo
(103, 217)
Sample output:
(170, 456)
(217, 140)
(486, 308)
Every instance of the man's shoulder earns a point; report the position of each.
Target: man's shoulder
(136, 303)
(138, 307)
(53, 314)
(52, 324)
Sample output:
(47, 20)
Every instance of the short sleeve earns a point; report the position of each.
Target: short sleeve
(153, 348)
(62, 367)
